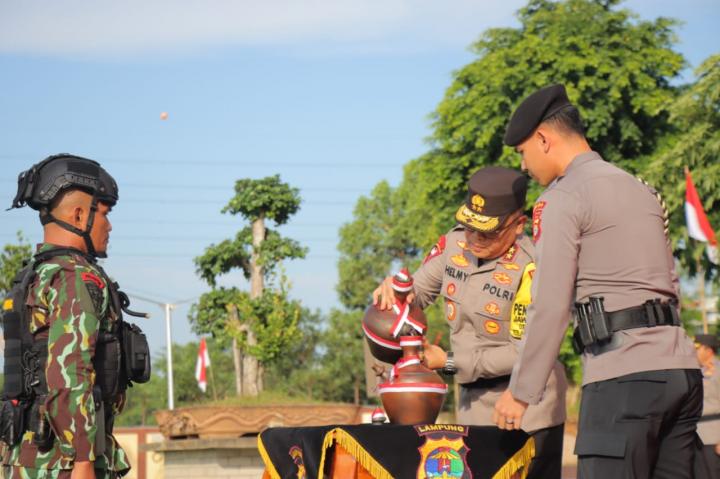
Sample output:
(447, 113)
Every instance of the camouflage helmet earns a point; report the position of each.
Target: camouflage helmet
(41, 184)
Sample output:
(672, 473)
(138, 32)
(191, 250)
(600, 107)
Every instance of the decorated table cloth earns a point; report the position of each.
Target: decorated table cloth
(390, 451)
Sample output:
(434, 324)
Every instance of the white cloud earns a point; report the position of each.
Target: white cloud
(103, 27)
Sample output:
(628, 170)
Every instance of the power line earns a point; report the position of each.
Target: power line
(167, 186)
(204, 163)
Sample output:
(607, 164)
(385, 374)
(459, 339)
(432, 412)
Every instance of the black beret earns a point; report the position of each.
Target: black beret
(493, 193)
(708, 340)
(534, 110)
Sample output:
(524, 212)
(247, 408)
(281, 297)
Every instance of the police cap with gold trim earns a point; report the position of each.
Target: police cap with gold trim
(533, 110)
(494, 193)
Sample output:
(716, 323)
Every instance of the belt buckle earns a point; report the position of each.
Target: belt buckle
(650, 313)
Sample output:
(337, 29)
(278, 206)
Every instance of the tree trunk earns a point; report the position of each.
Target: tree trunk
(356, 392)
(252, 370)
(237, 361)
(237, 355)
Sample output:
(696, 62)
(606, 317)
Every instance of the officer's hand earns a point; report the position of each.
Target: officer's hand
(717, 449)
(385, 294)
(509, 412)
(435, 356)
(83, 470)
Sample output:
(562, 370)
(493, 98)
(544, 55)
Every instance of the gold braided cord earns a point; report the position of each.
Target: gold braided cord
(519, 462)
(663, 205)
(356, 450)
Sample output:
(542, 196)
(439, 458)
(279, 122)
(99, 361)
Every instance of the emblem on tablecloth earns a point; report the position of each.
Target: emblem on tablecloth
(297, 457)
(444, 454)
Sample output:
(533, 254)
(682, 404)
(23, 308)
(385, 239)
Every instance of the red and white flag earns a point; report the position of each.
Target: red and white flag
(697, 223)
(203, 362)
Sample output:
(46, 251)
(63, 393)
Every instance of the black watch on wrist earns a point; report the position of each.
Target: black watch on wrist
(449, 369)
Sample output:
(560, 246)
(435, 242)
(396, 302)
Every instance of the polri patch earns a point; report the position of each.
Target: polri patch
(436, 250)
(536, 219)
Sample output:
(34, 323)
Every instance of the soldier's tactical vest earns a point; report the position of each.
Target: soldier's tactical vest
(122, 355)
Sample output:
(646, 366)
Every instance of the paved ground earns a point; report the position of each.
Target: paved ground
(569, 459)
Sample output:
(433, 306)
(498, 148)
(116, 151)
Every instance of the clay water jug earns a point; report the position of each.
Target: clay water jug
(414, 394)
(383, 328)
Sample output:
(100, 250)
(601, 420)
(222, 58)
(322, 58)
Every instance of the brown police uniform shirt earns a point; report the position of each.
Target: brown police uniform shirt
(709, 431)
(484, 330)
(598, 231)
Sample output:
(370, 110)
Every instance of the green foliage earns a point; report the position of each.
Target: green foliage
(230, 254)
(695, 144)
(265, 198)
(370, 243)
(11, 261)
(145, 399)
(569, 359)
(617, 70)
(342, 377)
(271, 318)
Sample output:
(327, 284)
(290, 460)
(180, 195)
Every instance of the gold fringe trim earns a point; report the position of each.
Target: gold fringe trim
(354, 448)
(269, 466)
(519, 462)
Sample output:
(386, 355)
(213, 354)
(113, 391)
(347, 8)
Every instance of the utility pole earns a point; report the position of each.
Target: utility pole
(168, 307)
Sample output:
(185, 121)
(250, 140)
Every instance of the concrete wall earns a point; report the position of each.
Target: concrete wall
(145, 464)
(236, 458)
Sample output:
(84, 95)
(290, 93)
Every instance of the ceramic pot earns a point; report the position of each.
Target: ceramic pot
(414, 394)
(383, 328)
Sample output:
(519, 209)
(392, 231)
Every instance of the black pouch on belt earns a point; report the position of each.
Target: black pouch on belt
(136, 353)
(12, 421)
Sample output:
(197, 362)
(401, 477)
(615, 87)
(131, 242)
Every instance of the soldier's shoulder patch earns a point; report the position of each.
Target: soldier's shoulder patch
(436, 250)
(89, 277)
(537, 219)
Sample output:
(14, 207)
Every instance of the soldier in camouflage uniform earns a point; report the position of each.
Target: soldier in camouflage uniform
(71, 307)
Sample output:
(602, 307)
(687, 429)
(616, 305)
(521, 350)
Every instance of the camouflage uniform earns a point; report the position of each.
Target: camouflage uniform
(70, 304)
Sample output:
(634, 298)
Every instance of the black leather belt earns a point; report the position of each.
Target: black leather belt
(595, 328)
(645, 316)
(487, 383)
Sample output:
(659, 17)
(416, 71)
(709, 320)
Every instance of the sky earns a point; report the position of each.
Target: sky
(333, 95)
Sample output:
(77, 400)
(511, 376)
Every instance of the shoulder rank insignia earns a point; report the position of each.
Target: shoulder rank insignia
(509, 257)
(436, 250)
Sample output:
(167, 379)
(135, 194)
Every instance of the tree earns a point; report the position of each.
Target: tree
(258, 324)
(695, 143)
(11, 262)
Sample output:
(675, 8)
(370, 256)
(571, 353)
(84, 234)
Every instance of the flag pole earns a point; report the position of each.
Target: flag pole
(212, 381)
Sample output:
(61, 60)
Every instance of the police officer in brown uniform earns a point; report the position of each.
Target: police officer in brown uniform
(709, 425)
(602, 253)
(483, 270)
